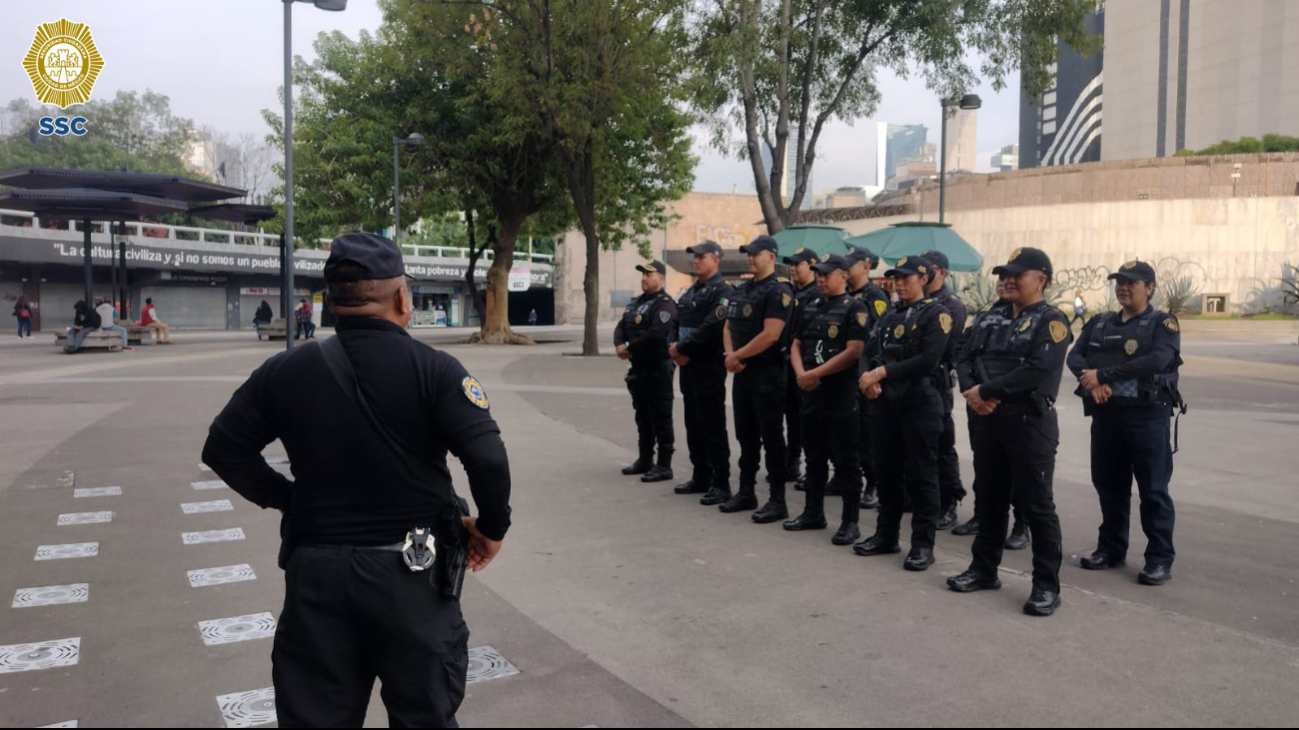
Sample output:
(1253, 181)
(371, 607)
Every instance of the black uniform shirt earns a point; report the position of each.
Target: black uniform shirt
(349, 487)
(703, 315)
(956, 307)
(931, 324)
(828, 325)
(1167, 344)
(804, 296)
(877, 301)
(648, 323)
(755, 302)
(1039, 373)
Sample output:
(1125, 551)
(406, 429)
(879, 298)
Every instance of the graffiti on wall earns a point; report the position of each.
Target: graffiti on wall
(725, 236)
(1085, 278)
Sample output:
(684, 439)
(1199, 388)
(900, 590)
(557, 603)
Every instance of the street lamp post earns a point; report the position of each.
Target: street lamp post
(967, 102)
(287, 248)
(414, 139)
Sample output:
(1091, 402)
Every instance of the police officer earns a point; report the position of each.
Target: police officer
(824, 357)
(950, 489)
(642, 337)
(755, 339)
(697, 350)
(898, 379)
(804, 282)
(996, 316)
(1127, 365)
(367, 419)
(1017, 366)
(860, 286)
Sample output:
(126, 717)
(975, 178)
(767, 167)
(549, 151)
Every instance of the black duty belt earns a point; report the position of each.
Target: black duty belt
(395, 547)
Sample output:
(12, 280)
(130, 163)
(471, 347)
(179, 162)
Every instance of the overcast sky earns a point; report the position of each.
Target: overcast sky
(221, 62)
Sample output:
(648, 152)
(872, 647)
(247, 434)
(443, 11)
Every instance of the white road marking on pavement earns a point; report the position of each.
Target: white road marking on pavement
(204, 467)
(84, 518)
(194, 538)
(70, 550)
(65, 723)
(223, 574)
(485, 663)
(246, 709)
(97, 492)
(213, 484)
(237, 628)
(40, 655)
(216, 505)
(51, 595)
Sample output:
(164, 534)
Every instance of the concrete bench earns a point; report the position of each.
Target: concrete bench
(137, 335)
(111, 341)
(272, 331)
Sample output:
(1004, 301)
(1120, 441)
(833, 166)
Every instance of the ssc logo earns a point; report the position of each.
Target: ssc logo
(474, 392)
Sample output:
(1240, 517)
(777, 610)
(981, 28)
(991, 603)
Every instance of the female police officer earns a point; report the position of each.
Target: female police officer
(902, 357)
(1126, 363)
(1016, 367)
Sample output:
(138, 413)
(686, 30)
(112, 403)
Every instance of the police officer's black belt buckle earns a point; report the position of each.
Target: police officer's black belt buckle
(419, 551)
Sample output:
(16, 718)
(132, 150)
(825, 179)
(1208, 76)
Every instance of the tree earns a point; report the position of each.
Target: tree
(602, 78)
(1246, 145)
(762, 65)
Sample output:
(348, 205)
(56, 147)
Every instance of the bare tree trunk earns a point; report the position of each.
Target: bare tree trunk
(749, 93)
(581, 186)
(496, 325)
(480, 305)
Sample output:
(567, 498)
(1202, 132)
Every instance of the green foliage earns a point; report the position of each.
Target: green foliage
(1290, 284)
(764, 66)
(141, 123)
(1175, 293)
(1245, 145)
(977, 291)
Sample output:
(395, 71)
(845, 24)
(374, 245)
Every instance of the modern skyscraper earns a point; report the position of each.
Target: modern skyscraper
(901, 143)
(962, 140)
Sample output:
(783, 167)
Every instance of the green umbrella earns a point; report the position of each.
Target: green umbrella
(824, 240)
(913, 239)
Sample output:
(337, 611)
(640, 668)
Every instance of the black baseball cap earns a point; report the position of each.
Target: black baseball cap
(651, 267)
(832, 262)
(761, 243)
(1025, 259)
(371, 257)
(1135, 271)
(861, 253)
(908, 265)
(801, 255)
(705, 247)
(938, 259)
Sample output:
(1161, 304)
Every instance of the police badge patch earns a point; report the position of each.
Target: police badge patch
(721, 311)
(1171, 325)
(748, 310)
(899, 331)
(1026, 324)
(945, 321)
(638, 318)
(880, 307)
(784, 300)
(1059, 331)
(861, 318)
(474, 392)
(1130, 347)
(833, 331)
(665, 317)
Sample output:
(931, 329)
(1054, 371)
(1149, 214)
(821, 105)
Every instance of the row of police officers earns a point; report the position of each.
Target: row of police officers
(828, 368)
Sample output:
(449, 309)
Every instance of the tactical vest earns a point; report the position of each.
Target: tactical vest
(894, 340)
(825, 330)
(693, 307)
(1105, 349)
(745, 314)
(1001, 342)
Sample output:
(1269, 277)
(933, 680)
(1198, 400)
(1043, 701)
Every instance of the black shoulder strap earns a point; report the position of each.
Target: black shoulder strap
(341, 366)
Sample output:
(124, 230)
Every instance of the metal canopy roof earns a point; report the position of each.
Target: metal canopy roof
(143, 183)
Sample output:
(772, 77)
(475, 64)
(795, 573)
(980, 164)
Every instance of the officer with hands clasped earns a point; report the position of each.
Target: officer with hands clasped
(824, 356)
(642, 337)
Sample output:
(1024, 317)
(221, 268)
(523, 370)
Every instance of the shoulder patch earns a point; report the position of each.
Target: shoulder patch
(945, 321)
(665, 317)
(1171, 325)
(881, 307)
(1059, 331)
(861, 318)
(473, 390)
(785, 299)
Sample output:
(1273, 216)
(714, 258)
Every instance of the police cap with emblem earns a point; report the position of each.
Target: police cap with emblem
(908, 265)
(1025, 259)
(801, 255)
(761, 243)
(651, 267)
(831, 263)
(939, 259)
(1135, 271)
(705, 247)
(361, 256)
(861, 253)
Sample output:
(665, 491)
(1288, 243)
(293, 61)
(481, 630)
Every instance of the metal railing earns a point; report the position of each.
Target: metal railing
(160, 232)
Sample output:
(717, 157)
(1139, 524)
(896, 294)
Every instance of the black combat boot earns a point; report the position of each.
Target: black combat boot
(1101, 560)
(948, 519)
(1041, 603)
(848, 533)
(771, 512)
(806, 521)
(920, 558)
(870, 499)
(1019, 537)
(742, 501)
(971, 581)
(1155, 574)
(640, 466)
(877, 545)
(967, 528)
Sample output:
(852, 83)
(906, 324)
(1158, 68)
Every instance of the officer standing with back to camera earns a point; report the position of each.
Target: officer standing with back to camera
(1127, 365)
(995, 316)
(374, 537)
(803, 279)
(862, 261)
(755, 339)
(824, 355)
(950, 489)
(1016, 366)
(697, 350)
(898, 379)
(642, 337)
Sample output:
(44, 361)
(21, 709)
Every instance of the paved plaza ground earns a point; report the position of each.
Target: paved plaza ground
(620, 604)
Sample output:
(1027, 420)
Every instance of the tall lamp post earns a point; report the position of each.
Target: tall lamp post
(287, 248)
(414, 139)
(968, 102)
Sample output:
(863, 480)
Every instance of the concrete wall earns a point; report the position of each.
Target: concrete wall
(1235, 246)
(731, 220)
